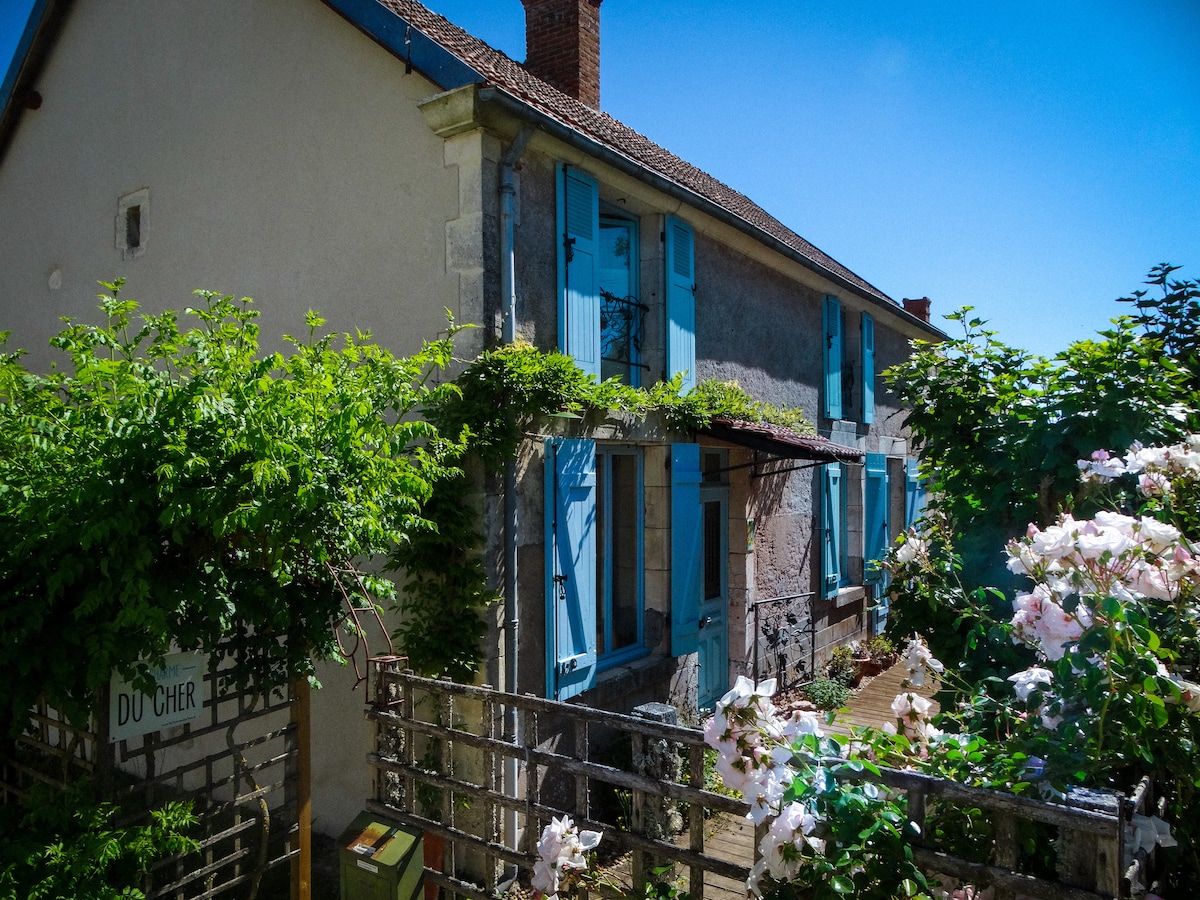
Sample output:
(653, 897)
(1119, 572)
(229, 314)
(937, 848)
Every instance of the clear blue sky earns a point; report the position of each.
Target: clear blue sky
(1031, 159)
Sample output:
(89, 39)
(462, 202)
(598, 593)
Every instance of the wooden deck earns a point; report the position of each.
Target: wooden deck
(732, 838)
(871, 704)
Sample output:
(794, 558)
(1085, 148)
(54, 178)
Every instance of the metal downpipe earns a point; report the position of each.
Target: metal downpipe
(508, 288)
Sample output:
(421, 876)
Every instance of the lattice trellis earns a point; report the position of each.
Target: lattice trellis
(236, 764)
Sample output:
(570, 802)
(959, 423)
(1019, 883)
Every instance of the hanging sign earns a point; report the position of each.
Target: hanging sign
(178, 698)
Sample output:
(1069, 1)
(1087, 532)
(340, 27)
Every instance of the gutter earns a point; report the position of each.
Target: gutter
(568, 135)
(17, 93)
(512, 616)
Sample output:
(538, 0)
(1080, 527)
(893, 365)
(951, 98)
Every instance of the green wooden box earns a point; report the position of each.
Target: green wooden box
(380, 860)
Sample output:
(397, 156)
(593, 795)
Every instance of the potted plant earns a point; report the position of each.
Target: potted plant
(875, 655)
(842, 666)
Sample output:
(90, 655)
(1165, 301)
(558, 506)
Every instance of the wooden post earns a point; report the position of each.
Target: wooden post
(696, 821)
(302, 861)
(638, 865)
(104, 753)
(533, 788)
(1088, 860)
(1006, 850)
(916, 813)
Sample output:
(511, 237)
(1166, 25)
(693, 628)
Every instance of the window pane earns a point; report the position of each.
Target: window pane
(620, 316)
(711, 465)
(625, 557)
(712, 549)
(616, 257)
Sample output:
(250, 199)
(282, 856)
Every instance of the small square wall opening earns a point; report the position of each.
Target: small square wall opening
(133, 223)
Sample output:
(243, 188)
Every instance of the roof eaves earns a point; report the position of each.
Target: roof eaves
(452, 58)
(407, 42)
(608, 153)
(41, 30)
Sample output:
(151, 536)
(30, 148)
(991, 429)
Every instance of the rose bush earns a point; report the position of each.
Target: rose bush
(831, 834)
(1111, 628)
(561, 849)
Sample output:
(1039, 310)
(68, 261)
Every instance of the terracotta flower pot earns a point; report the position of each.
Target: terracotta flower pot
(869, 666)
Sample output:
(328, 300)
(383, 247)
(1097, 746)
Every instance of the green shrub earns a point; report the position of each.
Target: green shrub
(826, 693)
(65, 845)
(880, 649)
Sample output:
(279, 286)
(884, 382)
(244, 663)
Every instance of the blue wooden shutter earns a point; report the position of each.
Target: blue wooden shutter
(868, 369)
(578, 249)
(570, 567)
(681, 301)
(914, 492)
(831, 529)
(686, 548)
(876, 536)
(833, 358)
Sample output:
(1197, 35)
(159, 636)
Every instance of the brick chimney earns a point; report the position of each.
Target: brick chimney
(919, 308)
(562, 46)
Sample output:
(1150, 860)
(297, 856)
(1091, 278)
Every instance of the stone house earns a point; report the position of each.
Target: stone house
(369, 159)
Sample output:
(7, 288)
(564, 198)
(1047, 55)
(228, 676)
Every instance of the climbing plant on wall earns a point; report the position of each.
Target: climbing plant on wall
(500, 397)
(178, 487)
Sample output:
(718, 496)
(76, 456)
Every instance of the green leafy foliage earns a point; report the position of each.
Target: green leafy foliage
(1120, 702)
(506, 388)
(661, 886)
(445, 588)
(1001, 430)
(880, 649)
(1000, 434)
(66, 846)
(1171, 316)
(842, 668)
(177, 487)
(959, 623)
(864, 849)
(827, 693)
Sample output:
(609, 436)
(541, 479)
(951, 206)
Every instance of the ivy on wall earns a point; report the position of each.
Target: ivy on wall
(500, 396)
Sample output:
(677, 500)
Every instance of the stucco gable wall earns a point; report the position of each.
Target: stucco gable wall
(285, 160)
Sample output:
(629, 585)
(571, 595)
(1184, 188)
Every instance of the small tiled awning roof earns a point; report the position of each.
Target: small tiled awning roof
(779, 441)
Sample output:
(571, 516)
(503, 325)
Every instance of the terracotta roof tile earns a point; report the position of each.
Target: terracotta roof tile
(509, 76)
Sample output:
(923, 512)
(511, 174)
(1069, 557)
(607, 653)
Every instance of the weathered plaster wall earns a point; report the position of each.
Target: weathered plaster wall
(537, 243)
(285, 160)
(757, 327)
